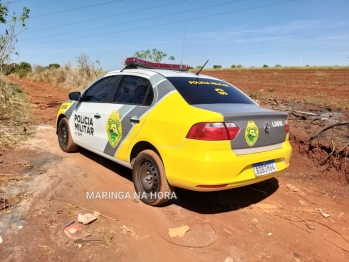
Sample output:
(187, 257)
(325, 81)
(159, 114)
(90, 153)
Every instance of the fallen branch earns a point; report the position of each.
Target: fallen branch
(302, 112)
(344, 147)
(329, 127)
(99, 214)
(340, 150)
(329, 155)
(17, 178)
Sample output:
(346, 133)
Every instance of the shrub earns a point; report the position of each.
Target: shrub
(9, 69)
(23, 69)
(265, 66)
(239, 66)
(277, 65)
(233, 66)
(50, 66)
(217, 66)
(15, 107)
(72, 78)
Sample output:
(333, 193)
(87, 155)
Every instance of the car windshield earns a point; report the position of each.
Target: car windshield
(208, 91)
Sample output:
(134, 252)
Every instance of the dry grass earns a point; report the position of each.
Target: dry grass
(14, 114)
(68, 77)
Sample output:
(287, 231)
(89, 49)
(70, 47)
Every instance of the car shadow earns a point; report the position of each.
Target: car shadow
(226, 200)
(202, 202)
(112, 166)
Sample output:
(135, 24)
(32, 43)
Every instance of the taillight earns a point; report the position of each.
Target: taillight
(213, 131)
(287, 127)
(233, 130)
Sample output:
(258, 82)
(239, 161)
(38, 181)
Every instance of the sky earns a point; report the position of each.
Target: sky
(245, 32)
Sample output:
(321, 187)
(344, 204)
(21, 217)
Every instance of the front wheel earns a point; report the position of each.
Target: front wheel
(149, 179)
(64, 137)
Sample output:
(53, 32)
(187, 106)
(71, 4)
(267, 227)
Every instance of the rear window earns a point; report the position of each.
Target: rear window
(208, 91)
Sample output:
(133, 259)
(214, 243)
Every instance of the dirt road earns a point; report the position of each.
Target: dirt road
(282, 219)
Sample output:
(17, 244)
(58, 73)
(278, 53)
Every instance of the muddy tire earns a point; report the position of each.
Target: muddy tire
(64, 137)
(149, 179)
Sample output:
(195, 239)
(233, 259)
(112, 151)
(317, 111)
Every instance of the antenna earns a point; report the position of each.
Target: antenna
(185, 33)
(201, 68)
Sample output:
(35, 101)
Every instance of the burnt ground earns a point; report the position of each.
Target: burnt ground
(301, 215)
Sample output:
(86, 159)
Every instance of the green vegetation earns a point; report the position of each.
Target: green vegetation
(152, 56)
(23, 69)
(217, 66)
(14, 108)
(14, 114)
(14, 25)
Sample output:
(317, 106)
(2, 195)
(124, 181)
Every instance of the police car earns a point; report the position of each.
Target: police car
(175, 129)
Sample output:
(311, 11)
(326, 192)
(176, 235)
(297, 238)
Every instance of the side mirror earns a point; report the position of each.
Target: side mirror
(75, 96)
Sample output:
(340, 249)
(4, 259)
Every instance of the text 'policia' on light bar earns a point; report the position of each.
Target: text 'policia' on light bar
(133, 61)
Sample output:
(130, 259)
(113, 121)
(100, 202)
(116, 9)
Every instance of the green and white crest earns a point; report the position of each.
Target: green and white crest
(251, 133)
(114, 128)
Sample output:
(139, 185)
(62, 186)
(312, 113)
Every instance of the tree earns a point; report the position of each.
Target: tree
(14, 26)
(53, 66)
(88, 67)
(23, 69)
(152, 56)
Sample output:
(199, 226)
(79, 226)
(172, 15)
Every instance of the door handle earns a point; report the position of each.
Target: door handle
(97, 116)
(134, 119)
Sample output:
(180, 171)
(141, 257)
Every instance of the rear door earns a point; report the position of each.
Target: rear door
(124, 116)
(86, 119)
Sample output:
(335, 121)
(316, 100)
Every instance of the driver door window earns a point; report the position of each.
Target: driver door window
(98, 93)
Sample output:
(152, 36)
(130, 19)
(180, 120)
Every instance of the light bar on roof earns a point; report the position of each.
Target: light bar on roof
(141, 63)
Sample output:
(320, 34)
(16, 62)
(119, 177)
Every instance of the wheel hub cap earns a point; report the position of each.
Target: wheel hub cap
(149, 177)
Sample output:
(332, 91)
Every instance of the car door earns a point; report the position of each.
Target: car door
(86, 120)
(125, 115)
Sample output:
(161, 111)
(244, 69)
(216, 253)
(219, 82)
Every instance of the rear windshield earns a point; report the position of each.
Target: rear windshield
(208, 91)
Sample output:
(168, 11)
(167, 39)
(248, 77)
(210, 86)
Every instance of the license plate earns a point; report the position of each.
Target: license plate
(263, 168)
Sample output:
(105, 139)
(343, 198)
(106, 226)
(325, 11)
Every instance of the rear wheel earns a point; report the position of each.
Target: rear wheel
(149, 179)
(64, 137)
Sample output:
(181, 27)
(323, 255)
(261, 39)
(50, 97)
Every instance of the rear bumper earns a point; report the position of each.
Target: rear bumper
(188, 167)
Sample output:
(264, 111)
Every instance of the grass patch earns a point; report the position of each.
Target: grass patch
(14, 114)
(69, 77)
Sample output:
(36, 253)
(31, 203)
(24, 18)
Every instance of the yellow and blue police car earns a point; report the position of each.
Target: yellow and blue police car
(175, 129)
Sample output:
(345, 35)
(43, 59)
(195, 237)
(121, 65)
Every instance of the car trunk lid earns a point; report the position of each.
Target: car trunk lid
(261, 129)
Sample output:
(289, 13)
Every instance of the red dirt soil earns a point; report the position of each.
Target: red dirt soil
(277, 220)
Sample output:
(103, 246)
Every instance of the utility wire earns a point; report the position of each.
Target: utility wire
(276, 54)
(100, 18)
(73, 9)
(175, 22)
(139, 20)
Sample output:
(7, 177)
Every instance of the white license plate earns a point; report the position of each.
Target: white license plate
(263, 168)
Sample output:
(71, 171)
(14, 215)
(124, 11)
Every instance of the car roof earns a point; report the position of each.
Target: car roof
(165, 73)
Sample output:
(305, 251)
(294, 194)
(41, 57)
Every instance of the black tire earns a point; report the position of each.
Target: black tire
(149, 179)
(65, 140)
